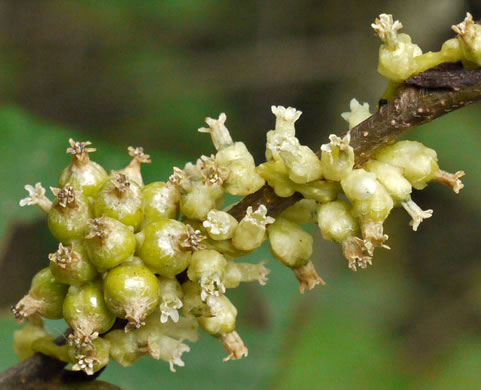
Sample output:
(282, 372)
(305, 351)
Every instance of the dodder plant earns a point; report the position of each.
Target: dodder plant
(140, 267)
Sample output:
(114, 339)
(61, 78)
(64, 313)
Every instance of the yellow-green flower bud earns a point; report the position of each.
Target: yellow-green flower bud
(397, 53)
(25, 337)
(359, 113)
(303, 166)
(36, 197)
(469, 35)
(201, 198)
(302, 212)
(207, 268)
(171, 295)
(123, 347)
(90, 358)
(359, 185)
(321, 191)
(399, 189)
(251, 231)
(220, 225)
(285, 119)
(337, 157)
(275, 173)
(235, 273)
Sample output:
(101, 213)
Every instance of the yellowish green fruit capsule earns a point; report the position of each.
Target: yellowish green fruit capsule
(418, 164)
(251, 231)
(399, 189)
(24, 338)
(133, 170)
(166, 246)
(220, 225)
(109, 243)
(85, 311)
(68, 217)
(45, 298)
(82, 173)
(70, 264)
(222, 325)
(292, 246)
(469, 35)
(359, 113)
(171, 295)
(337, 158)
(372, 212)
(161, 200)
(131, 291)
(233, 161)
(36, 197)
(47, 346)
(337, 223)
(302, 212)
(207, 268)
(90, 358)
(359, 185)
(123, 347)
(397, 53)
(121, 199)
(235, 273)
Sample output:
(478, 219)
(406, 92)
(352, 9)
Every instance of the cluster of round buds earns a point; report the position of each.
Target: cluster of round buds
(400, 59)
(125, 260)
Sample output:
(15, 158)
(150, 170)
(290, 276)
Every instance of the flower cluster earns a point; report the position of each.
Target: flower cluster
(140, 267)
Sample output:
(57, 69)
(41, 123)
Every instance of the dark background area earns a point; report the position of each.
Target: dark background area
(147, 73)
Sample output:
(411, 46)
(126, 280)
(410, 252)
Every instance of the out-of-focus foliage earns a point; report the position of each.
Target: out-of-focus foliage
(146, 73)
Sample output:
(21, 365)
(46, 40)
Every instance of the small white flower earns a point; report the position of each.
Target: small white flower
(385, 27)
(258, 217)
(219, 133)
(169, 308)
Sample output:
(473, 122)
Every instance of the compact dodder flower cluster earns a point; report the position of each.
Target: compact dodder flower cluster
(140, 267)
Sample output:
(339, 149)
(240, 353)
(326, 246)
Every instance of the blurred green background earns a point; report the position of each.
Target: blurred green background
(147, 72)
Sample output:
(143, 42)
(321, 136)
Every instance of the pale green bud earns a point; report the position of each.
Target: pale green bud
(337, 157)
(417, 162)
(223, 317)
(202, 198)
(242, 178)
(123, 347)
(392, 180)
(303, 166)
(359, 185)
(336, 221)
(397, 53)
(469, 34)
(235, 273)
(276, 175)
(36, 197)
(171, 295)
(320, 190)
(359, 113)
(302, 212)
(285, 119)
(289, 243)
(251, 231)
(207, 268)
(90, 358)
(220, 225)
(25, 337)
